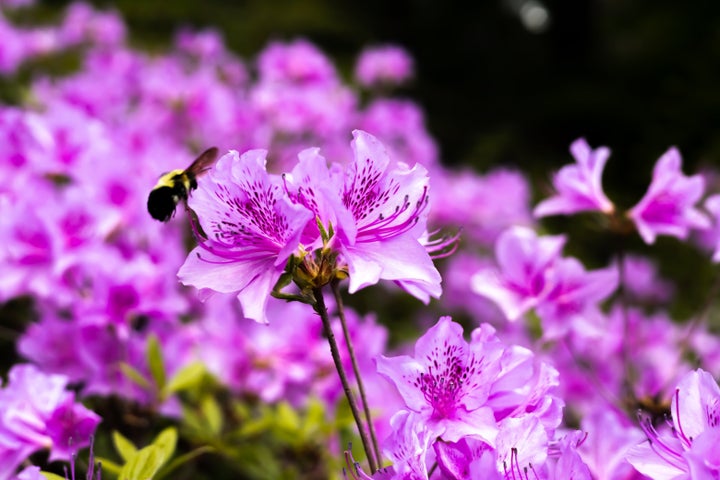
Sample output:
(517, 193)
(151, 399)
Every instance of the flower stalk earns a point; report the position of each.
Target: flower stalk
(322, 310)
(356, 371)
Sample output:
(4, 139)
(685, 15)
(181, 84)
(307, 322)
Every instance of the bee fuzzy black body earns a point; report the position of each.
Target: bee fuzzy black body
(177, 185)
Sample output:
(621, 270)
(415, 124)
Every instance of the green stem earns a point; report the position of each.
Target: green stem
(321, 309)
(356, 370)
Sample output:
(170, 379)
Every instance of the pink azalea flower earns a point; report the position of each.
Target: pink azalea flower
(532, 275)
(579, 186)
(298, 61)
(377, 212)
(712, 204)
(689, 450)
(37, 412)
(642, 280)
(384, 65)
(252, 229)
(668, 207)
(575, 293)
(448, 381)
(525, 276)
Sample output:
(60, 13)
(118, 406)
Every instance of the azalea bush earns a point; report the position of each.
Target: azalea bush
(330, 300)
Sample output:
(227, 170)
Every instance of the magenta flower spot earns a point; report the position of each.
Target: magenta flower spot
(668, 207)
(579, 186)
(447, 382)
(251, 230)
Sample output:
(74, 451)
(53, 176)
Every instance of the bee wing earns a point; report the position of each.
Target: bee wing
(204, 162)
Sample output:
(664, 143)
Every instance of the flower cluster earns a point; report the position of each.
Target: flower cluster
(485, 409)
(254, 222)
(326, 181)
(667, 208)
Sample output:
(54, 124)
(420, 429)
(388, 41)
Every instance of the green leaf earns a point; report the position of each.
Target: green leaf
(51, 476)
(108, 466)
(314, 417)
(187, 377)
(135, 375)
(123, 446)
(182, 459)
(286, 417)
(213, 414)
(155, 361)
(166, 442)
(143, 465)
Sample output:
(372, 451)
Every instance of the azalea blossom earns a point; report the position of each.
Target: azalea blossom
(38, 412)
(668, 207)
(377, 212)
(524, 276)
(448, 382)
(252, 229)
(579, 186)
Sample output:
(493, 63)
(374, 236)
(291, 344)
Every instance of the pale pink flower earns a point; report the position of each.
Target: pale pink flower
(579, 186)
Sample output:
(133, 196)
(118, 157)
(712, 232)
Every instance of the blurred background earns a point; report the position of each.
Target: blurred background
(513, 82)
(509, 82)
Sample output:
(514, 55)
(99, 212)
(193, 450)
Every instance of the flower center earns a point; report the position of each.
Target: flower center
(444, 383)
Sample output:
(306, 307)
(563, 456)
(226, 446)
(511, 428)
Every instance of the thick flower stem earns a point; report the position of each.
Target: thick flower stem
(321, 309)
(356, 370)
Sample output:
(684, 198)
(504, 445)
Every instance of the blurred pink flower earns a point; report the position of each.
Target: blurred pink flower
(668, 207)
(525, 276)
(37, 412)
(298, 61)
(579, 186)
(384, 65)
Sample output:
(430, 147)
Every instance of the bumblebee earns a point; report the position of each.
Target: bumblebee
(177, 185)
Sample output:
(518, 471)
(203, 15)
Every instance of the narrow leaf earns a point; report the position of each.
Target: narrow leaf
(182, 459)
(155, 361)
(187, 377)
(51, 476)
(213, 413)
(166, 442)
(135, 376)
(123, 446)
(144, 465)
(108, 466)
